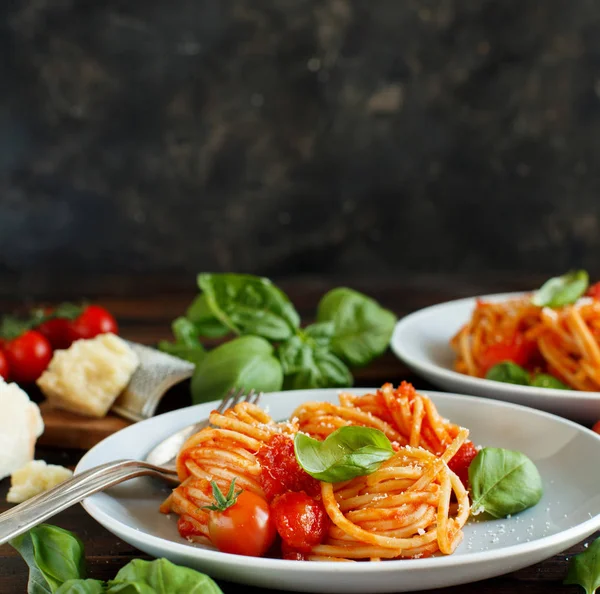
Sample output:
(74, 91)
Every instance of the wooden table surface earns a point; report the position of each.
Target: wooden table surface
(146, 319)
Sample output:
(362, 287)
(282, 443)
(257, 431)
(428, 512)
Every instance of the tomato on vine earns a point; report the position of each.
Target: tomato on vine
(240, 522)
(28, 355)
(4, 370)
(93, 320)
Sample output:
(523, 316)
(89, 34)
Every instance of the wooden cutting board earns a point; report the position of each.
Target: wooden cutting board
(68, 430)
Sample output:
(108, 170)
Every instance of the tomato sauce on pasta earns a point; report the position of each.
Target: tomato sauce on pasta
(413, 505)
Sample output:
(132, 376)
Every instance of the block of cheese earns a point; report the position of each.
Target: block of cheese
(20, 426)
(34, 478)
(88, 376)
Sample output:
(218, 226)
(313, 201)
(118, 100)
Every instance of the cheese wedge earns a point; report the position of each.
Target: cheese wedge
(20, 426)
(34, 478)
(88, 376)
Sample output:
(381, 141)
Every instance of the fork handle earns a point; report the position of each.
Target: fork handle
(36, 510)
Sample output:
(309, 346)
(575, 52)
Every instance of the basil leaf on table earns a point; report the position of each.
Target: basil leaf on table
(503, 482)
(362, 327)
(81, 586)
(250, 305)
(187, 345)
(584, 568)
(509, 373)
(204, 320)
(246, 362)
(308, 363)
(562, 290)
(165, 577)
(348, 452)
(545, 380)
(53, 555)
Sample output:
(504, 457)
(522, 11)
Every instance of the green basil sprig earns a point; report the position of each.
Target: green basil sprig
(205, 321)
(562, 290)
(351, 330)
(250, 305)
(511, 373)
(503, 482)
(348, 452)
(545, 380)
(307, 361)
(187, 345)
(57, 566)
(362, 327)
(246, 361)
(584, 569)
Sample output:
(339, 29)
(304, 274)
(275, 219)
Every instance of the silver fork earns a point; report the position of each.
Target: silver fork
(159, 463)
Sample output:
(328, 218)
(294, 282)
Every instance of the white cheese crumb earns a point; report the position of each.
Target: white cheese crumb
(20, 426)
(34, 478)
(88, 376)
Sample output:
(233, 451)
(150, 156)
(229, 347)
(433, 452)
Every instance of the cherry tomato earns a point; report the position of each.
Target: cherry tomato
(57, 331)
(280, 471)
(301, 521)
(596, 427)
(516, 349)
(93, 321)
(244, 528)
(3, 366)
(28, 356)
(460, 462)
(594, 291)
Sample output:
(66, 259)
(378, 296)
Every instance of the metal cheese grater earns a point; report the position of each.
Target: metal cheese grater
(156, 373)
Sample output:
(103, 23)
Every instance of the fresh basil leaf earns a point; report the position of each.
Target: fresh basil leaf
(562, 290)
(187, 345)
(166, 578)
(83, 587)
(204, 320)
(584, 569)
(321, 332)
(545, 380)
(245, 362)
(308, 364)
(509, 373)
(129, 588)
(250, 305)
(362, 327)
(503, 482)
(348, 452)
(53, 555)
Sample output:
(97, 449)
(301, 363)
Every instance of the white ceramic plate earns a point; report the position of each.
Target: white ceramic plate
(422, 339)
(564, 452)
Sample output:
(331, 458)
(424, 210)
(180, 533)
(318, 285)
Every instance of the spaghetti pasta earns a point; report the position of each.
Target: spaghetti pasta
(562, 341)
(413, 505)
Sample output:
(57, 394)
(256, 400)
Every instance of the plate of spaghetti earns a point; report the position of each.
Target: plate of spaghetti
(518, 347)
(368, 490)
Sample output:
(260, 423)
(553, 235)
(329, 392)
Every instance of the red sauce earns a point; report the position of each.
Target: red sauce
(280, 469)
(186, 528)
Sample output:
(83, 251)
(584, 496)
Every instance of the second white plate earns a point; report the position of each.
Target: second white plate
(565, 454)
(422, 341)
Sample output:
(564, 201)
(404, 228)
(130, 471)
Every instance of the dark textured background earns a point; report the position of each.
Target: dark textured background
(297, 137)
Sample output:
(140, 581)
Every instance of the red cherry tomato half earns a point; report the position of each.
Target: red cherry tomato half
(596, 427)
(301, 521)
(516, 349)
(4, 371)
(244, 528)
(28, 356)
(93, 321)
(460, 462)
(57, 331)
